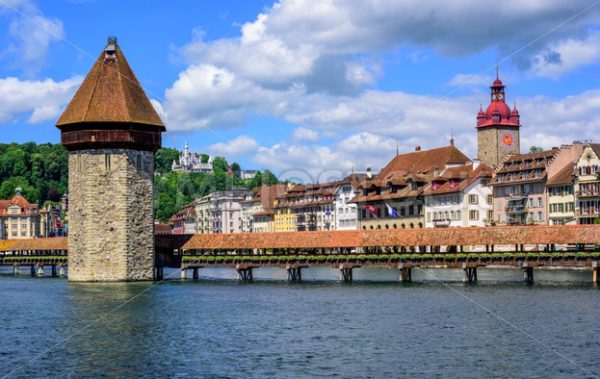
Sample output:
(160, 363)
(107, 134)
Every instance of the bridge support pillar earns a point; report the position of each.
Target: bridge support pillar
(32, 271)
(294, 273)
(158, 273)
(183, 274)
(345, 273)
(528, 275)
(405, 273)
(54, 273)
(195, 273)
(61, 271)
(470, 273)
(244, 274)
(40, 270)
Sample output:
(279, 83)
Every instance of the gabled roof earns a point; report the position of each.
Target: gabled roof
(564, 176)
(457, 179)
(421, 162)
(110, 93)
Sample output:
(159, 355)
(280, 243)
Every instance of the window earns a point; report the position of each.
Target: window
(540, 216)
(490, 199)
(490, 214)
(473, 199)
(473, 215)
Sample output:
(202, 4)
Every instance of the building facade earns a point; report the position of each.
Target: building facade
(460, 197)
(346, 212)
(19, 219)
(498, 128)
(225, 210)
(587, 185)
(306, 207)
(394, 199)
(257, 214)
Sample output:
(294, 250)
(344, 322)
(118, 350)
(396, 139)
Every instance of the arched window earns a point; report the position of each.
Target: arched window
(403, 226)
(420, 225)
(371, 227)
(387, 226)
(412, 226)
(378, 226)
(395, 226)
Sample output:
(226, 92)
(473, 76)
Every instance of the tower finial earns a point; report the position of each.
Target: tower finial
(497, 69)
(451, 138)
(397, 150)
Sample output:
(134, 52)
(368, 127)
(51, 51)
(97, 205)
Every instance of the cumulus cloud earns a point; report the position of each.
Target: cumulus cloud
(234, 148)
(305, 134)
(31, 34)
(38, 100)
(567, 55)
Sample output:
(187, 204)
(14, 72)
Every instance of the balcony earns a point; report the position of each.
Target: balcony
(441, 222)
(592, 193)
(516, 209)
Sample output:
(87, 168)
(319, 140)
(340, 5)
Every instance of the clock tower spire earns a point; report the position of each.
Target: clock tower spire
(497, 127)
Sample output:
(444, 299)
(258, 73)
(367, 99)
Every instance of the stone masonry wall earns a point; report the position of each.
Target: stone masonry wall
(490, 149)
(111, 215)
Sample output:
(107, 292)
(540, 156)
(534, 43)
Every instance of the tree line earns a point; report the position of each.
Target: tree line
(41, 171)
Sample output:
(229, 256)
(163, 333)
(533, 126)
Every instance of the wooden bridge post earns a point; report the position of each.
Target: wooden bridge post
(195, 275)
(528, 275)
(183, 274)
(294, 273)
(54, 274)
(345, 273)
(244, 274)
(470, 273)
(405, 273)
(32, 271)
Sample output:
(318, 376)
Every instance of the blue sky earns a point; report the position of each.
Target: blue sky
(308, 88)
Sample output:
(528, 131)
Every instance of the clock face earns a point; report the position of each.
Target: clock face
(500, 96)
(508, 139)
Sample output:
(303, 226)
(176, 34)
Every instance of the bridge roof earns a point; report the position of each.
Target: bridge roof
(58, 243)
(505, 235)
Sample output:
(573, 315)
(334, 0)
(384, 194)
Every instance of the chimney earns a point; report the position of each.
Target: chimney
(476, 163)
(369, 173)
(418, 148)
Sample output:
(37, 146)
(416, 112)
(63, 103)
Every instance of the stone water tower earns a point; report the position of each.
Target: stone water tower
(111, 131)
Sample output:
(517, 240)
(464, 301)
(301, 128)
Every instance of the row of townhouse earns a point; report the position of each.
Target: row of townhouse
(555, 187)
(427, 188)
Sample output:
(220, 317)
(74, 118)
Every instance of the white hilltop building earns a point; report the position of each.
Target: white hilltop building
(192, 162)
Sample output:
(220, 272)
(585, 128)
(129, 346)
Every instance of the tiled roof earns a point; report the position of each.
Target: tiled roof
(596, 148)
(57, 243)
(18, 200)
(399, 237)
(110, 93)
(523, 167)
(564, 176)
(456, 179)
(422, 162)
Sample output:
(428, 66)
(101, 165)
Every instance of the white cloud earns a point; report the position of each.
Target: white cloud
(567, 55)
(305, 134)
(40, 100)
(31, 34)
(234, 148)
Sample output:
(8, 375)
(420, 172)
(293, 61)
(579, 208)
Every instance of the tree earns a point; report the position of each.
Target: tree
(164, 159)
(535, 149)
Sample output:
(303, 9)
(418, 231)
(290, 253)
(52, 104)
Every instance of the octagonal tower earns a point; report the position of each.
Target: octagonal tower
(111, 131)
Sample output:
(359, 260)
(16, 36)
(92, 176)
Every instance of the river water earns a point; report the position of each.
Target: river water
(272, 329)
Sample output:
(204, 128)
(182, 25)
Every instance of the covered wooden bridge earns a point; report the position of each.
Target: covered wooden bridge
(523, 247)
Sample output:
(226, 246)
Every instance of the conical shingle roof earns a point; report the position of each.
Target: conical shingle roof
(110, 93)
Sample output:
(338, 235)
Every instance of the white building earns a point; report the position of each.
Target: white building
(192, 162)
(346, 213)
(460, 196)
(226, 209)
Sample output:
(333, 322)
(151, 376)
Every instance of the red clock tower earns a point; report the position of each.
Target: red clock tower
(497, 127)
